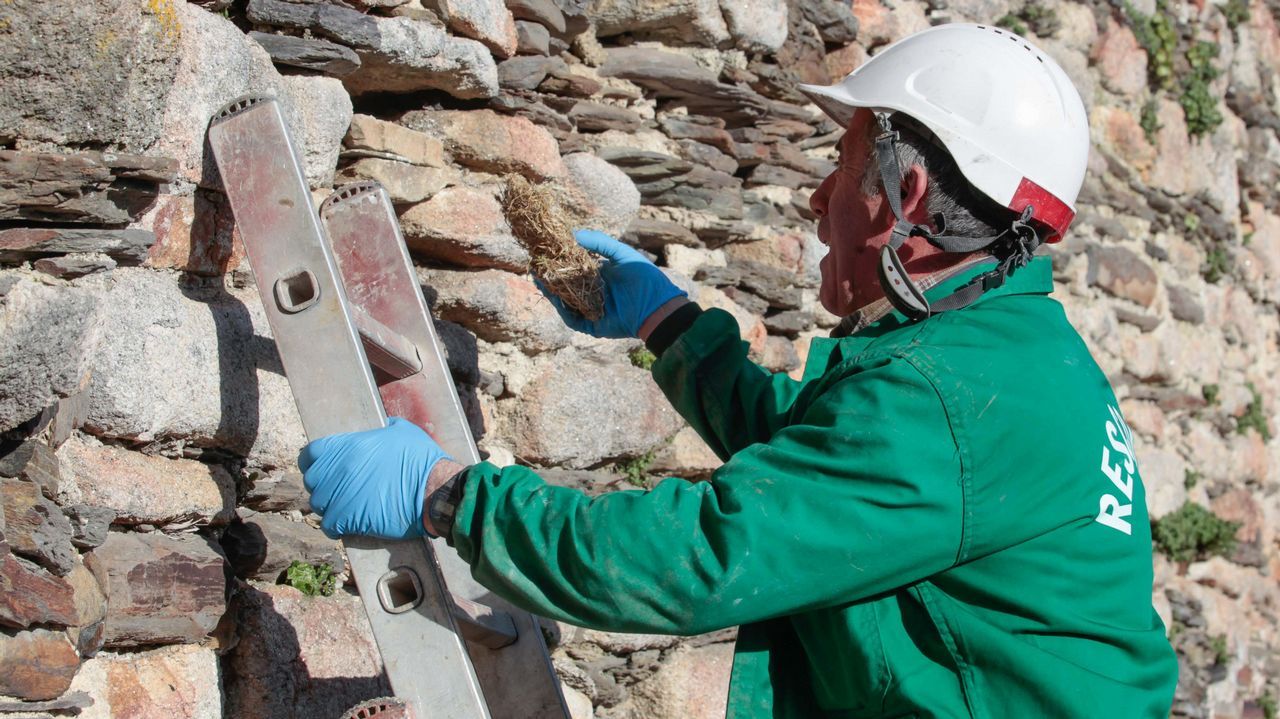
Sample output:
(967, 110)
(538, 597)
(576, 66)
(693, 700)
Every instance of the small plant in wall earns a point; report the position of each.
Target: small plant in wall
(311, 579)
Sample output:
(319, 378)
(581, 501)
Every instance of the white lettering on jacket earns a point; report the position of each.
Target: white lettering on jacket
(1120, 467)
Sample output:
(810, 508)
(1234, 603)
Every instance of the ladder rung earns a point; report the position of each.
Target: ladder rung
(483, 624)
(387, 350)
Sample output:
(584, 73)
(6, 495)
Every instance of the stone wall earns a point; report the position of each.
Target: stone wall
(150, 496)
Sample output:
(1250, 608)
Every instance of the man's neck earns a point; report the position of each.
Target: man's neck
(876, 310)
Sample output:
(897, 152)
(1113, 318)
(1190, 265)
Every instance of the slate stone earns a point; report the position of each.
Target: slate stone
(35, 461)
(707, 155)
(782, 177)
(834, 20)
(576, 20)
(89, 524)
(749, 301)
(542, 12)
(570, 84)
(277, 492)
(35, 527)
(599, 117)
(81, 187)
(261, 546)
(1185, 305)
(532, 38)
(701, 189)
(779, 354)
(526, 72)
(653, 234)
(343, 24)
(308, 53)
(773, 284)
(163, 589)
(1142, 320)
(527, 105)
(644, 165)
(33, 596)
(39, 664)
(1122, 273)
(707, 130)
(128, 247)
(668, 75)
(70, 267)
(789, 322)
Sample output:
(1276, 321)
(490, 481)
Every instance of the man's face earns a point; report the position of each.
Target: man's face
(853, 225)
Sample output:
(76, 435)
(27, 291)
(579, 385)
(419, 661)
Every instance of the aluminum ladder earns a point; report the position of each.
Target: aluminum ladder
(357, 343)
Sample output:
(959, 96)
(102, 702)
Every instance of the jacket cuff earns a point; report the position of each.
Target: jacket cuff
(442, 505)
(670, 329)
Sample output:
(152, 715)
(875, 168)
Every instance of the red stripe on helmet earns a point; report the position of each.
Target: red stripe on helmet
(1048, 210)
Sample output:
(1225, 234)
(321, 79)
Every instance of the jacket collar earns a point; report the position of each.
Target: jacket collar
(1035, 278)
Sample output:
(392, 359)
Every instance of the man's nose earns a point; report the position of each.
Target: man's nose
(818, 201)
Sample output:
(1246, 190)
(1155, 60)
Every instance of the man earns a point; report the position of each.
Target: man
(943, 518)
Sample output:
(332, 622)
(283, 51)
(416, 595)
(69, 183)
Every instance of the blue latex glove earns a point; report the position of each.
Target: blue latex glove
(633, 288)
(371, 483)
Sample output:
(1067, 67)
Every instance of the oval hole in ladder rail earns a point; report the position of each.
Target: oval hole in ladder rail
(399, 590)
(297, 291)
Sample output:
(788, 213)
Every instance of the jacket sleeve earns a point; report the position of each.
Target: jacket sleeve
(862, 495)
(731, 401)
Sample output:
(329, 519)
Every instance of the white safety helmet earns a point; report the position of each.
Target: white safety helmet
(1004, 110)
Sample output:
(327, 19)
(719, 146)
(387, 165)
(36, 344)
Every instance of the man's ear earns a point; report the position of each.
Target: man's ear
(915, 190)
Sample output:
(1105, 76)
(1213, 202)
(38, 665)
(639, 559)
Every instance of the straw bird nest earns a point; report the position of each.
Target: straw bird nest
(541, 223)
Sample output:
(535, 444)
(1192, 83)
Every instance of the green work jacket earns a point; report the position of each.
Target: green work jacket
(941, 519)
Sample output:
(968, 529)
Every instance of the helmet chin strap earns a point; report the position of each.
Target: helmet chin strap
(1016, 244)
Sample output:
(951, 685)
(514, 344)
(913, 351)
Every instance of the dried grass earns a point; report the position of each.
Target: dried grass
(539, 222)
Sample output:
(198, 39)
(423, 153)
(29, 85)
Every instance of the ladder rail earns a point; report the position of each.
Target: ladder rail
(423, 653)
(516, 676)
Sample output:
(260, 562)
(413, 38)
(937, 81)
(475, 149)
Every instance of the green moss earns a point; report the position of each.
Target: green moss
(636, 469)
(1190, 478)
(1193, 533)
(642, 358)
(1267, 704)
(1012, 23)
(1199, 104)
(1157, 35)
(311, 579)
(1254, 417)
(1149, 120)
(1236, 12)
(1033, 17)
(1219, 646)
(1042, 19)
(1211, 393)
(1217, 264)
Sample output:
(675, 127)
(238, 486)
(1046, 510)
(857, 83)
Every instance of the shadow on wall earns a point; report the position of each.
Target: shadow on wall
(269, 674)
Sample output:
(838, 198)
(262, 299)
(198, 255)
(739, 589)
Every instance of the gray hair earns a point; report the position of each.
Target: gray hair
(968, 212)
